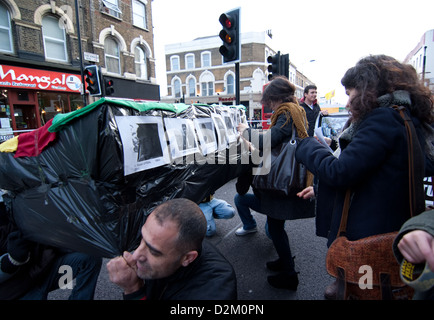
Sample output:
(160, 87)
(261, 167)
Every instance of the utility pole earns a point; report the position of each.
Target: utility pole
(83, 86)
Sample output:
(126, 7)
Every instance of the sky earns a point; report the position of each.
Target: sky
(334, 33)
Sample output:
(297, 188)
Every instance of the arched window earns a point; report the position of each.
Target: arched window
(191, 87)
(5, 30)
(230, 84)
(54, 39)
(177, 88)
(207, 83)
(141, 62)
(112, 55)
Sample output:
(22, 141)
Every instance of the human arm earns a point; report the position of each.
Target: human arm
(273, 136)
(415, 241)
(376, 138)
(18, 255)
(122, 272)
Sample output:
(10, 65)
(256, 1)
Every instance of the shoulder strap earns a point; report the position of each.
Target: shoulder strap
(415, 185)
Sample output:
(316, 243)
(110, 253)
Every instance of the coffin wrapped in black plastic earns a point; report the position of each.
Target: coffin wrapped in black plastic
(111, 163)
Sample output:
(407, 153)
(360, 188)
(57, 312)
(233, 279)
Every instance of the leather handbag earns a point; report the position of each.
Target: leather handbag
(286, 176)
(348, 261)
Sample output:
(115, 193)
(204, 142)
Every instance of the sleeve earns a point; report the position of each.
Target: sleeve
(138, 295)
(423, 221)
(375, 139)
(276, 135)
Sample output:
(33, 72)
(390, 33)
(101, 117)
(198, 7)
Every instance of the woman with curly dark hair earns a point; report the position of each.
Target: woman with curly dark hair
(373, 159)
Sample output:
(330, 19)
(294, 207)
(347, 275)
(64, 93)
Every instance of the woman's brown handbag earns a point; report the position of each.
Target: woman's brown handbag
(367, 269)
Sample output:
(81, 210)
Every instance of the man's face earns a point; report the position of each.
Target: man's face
(158, 255)
(310, 96)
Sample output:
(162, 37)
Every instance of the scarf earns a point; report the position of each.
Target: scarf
(294, 111)
(399, 98)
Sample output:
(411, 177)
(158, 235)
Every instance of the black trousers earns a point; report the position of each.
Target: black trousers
(276, 229)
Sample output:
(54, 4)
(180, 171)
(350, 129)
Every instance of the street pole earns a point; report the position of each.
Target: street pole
(237, 83)
(77, 17)
(423, 65)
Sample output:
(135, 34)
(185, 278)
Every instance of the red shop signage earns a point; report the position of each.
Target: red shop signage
(25, 78)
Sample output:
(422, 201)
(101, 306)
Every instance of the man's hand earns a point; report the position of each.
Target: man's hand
(122, 271)
(417, 247)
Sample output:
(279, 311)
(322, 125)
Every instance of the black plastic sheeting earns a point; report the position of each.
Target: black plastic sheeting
(74, 195)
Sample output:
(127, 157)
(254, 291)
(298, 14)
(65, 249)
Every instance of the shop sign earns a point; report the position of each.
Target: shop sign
(26, 78)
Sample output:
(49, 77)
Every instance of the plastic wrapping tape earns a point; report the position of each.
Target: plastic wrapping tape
(417, 276)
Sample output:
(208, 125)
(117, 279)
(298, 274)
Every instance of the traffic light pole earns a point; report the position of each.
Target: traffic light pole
(237, 83)
(83, 86)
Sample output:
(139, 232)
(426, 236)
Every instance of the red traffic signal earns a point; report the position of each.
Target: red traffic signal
(108, 87)
(230, 35)
(92, 80)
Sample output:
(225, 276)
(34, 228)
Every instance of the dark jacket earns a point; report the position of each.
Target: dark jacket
(209, 277)
(311, 115)
(273, 205)
(425, 222)
(374, 165)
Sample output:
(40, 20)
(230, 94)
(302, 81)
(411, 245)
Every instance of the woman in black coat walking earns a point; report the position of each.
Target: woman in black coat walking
(373, 160)
(279, 96)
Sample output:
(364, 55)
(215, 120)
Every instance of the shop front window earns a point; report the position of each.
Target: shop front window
(5, 117)
(53, 103)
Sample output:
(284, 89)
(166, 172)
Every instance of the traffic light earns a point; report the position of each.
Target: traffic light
(274, 67)
(230, 35)
(92, 80)
(284, 65)
(108, 87)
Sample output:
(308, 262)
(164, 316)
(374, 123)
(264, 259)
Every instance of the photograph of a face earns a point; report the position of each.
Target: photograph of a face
(182, 137)
(221, 131)
(143, 141)
(205, 133)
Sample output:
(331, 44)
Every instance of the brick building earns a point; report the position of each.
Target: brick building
(40, 73)
(196, 73)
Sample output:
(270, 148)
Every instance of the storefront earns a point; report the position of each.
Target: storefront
(31, 97)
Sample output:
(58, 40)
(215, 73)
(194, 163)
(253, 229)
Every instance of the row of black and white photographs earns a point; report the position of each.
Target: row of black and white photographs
(145, 145)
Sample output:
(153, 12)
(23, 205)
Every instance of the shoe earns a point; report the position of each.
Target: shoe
(330, 293)
(284, 281)
(242, 232)
(275, 265)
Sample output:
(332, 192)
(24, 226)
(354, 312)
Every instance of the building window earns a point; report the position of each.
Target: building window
(207, 89)
(112, 56)
(54, 39)
(111, 7)
(139, 14)
(206, 59)
(189, 61)
(191, 87)
(174, 63)
(177, 88)
(5, 30)
(230, 84)
(141, 63)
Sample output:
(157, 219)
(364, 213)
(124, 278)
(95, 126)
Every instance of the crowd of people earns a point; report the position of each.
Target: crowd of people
(174, 259)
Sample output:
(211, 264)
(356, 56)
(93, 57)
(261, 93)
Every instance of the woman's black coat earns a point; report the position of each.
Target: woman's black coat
(374, 165)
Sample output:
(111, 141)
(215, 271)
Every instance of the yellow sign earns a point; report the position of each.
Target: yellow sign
(330, 95)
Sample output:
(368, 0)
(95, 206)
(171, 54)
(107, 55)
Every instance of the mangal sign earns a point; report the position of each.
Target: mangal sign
(25, 78)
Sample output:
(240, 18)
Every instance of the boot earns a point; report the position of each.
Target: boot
(275, 265)
(284, 281)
